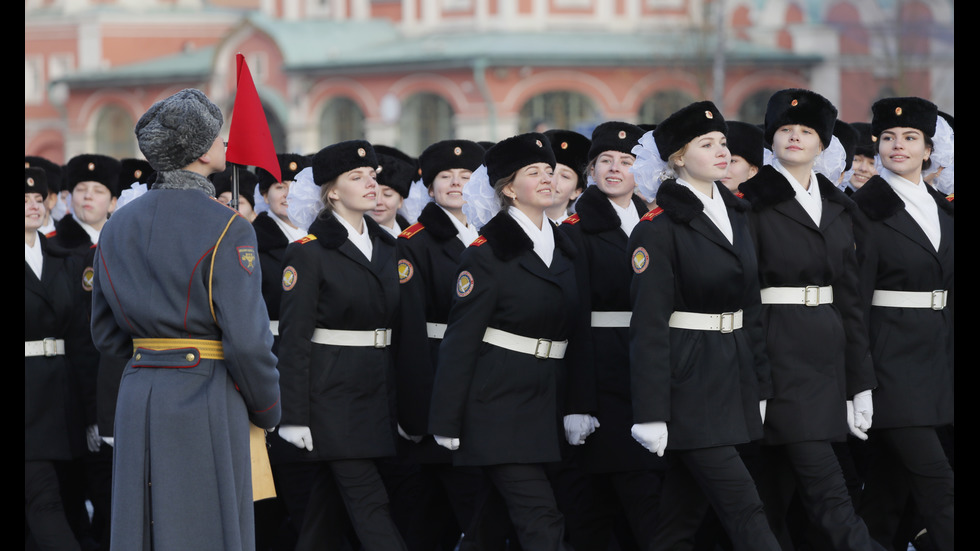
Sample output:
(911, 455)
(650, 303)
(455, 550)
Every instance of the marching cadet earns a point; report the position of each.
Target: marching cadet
(339, 305)
(571, 149)
(52, 405)
(201, 364)
(822, 376)
(395, 174)
(52, 172)
(700, 376)
(274, 231)
(905, 249)
(434, 501)
(621, 477)
(498, 397)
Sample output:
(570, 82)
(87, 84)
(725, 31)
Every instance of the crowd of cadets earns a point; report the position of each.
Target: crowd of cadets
(613, 487)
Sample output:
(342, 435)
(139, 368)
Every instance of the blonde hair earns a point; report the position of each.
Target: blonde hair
(676, 156)
(325, 188)
(498, 190)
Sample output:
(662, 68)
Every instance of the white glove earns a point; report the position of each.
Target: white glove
(108, 440)
(578, 427)
(406, 436)
(92, 438)
(863, 410)
(762, 410)
(652, 436)
(447, 442)
(850, 422)
(301, 437)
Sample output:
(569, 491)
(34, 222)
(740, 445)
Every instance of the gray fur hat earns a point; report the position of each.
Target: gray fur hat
(175, 131)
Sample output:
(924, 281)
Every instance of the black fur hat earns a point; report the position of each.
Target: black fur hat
(92, 167)
(907, 112)
(36, 181)
(290, 164)
(336, 159)
(246, 183)
(52, 171)
(449, 154)
(397, 169)
(746, 140)
(572, 150)
(687, 123)
(799, 106)
(865, 144)
(848, 138)
(136, 170)
(516, 152)
(614, 136)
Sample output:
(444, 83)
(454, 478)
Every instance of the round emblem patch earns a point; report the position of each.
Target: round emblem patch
(405, 271)
(288, 278)
(87, 276)
(640, 260)
(464, 284)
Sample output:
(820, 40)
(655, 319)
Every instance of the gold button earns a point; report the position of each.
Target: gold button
(793, 103)
(361, 152)
(139, 356)
(708, 115)
(622, 134)
(292, 165)
(138, 173)
(458, 151)
(91, 166)
(189, 357)
(898, 110)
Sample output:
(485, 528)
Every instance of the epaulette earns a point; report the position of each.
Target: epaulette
(479, 241)
(53, 233)
(739, 194)
(652, 214)
(949, 197)
(572, 220)
(408, 232)
(307, 239)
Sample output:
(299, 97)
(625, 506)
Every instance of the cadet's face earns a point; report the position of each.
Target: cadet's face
(796, 145)
(864, 168)
(33, 211)
(447, 187)
(532, 188)
(389, 201)
(217, 154)
(566, 185)
(612, 174)
(705, 159)
(356, 191)
(902, 151)
(243, 205)
(275, 197)
(91, 202)
(739, 170)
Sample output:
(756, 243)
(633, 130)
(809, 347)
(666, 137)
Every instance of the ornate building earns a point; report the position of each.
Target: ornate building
(409, 72)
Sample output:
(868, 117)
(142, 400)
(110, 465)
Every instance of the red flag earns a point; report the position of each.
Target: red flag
(249, 139)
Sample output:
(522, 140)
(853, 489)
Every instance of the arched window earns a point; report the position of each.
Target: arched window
(341, 120)
(114, 133)
(753, 109)
(662, 104)
(564, 110)
(426, 119)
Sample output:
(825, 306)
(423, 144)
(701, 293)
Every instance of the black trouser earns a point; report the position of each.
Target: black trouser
(719, 474)
(359, 485)
(530, 503)
(44, 510)
(811, 471)
(909, 460)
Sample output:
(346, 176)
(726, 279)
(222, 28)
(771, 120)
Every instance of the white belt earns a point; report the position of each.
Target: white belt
(935, 300)
(611, 319)
(435, 330)
(44, 347)
(811, 295)
(539, 348)
(726, 322)
(274, 326)
(378, 338)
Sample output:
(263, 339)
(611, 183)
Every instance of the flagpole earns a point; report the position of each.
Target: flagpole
(234, 186)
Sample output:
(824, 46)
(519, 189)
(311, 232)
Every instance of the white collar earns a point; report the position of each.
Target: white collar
(918, 203)
(291, 233)
(628, 217)
(93, 234)
(808, 198)
(33, 257)
(714, 209)
(466, 233)
(360, 240)
(543, 237)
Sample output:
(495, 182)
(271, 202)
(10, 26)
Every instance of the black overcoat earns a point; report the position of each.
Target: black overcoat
(912, 348)
(818, 354)
(705, 384)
